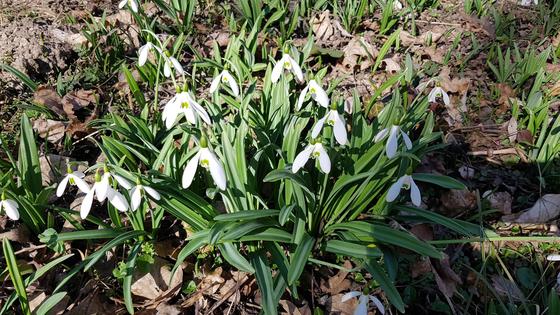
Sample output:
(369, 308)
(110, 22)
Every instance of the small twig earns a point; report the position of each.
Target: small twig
(29, 249)
(491, 152)
(439, 23)
(226, 296)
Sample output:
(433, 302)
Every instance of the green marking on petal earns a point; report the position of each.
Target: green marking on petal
(185, 105)
(205, 163)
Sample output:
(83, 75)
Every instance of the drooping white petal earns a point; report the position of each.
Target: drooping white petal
(381, 135)
(324, 161)
(202, 113)
(171, 111)
(189, 114)
(167, 109)
(152, 192)
(11, 208)
(415, 194)
(318, 127)
(117, 200)
(122, 4)
(86, 203)
(177, 65)
(190, 170)
(362, 307)
(62, 186)
(319, 95)
(102, 187)
(378, 304)
(395, 190)
(215, 82)
(406, 139)
(296, 70)
(232, 83)
(433, 95)
(82, 185)
(339, 128)
(78, 174)
(277, 70)
(134, 6)
(122, 181)
(350, 295)
(445, 96)
(135, 197)
(302, 158)
(216, 168)
(301, 97)
(167, 68)
(392, 143)
(143, 54)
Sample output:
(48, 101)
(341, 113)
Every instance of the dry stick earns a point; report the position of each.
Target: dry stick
(439, 23)
(227, 295)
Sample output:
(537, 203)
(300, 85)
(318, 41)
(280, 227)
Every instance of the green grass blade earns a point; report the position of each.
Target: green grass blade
(17, 281)
(20, 75)
(299, 258)
(264, 280)
(127, 282)
(49, 303)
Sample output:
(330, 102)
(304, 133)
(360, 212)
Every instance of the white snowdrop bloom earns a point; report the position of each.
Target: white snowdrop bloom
(436, 92)
(529, 2)
(363, 302)
(313, 151)
(336, 120)
(407, 183)
(397, 5)
(144, 51)
(553, 257)
(132, 4)
(103, 190)
(288, 63)
(171, 62)
(226, 78)
(208, 160)
(74, 178)
(392, 143)
(317, 93)
(10, 207)
(183, 103)
(138, 191)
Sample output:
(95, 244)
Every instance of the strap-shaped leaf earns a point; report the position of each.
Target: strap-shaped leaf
(388, 287)
(351, 249)
(264, 280)
(232, 255)
(49, 303)
(127, 282)
(299, 258)
(440, 180)
(17, 281)
(247, 215)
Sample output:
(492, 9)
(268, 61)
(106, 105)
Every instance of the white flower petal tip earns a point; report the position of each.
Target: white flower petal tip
(314, 151)
(183, 103)
(554, 257)
(363, 302)
(407, 183)
(318, 94)
(74, 178)
(10, 208)
(226, 78)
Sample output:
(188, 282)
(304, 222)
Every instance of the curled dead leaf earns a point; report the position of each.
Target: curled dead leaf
(156, 284)
(544, 210)
(322, 26)
(52, 130)
(358, 48)
(47, 97)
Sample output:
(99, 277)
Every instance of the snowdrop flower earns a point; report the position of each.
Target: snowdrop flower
(144, 50)
(10, 207)
(529, 2)
(226, 78)
(397, 5)
(288, 63)
(74, 178)
(436, 92)
(103, 190)
(407, 183)
(363, 302)
(336, 120)
(183, 103)
(170, 61)
(132, 4)
(317, 93)
(392, 144)
(208, 160)
(137, 192)
(314, 150)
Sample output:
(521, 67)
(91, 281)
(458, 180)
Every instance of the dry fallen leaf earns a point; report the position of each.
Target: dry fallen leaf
(47, 96)
(339, 307)
(446, 278)
(507, 288)
(501, 201)
(52, 130)
(322, 26)
(291, 309)
(338, 282)
(544, 210)
(358, 48)
(456, 201)
(391, 65)
(512, 129)
(52, 166)
(156, 283)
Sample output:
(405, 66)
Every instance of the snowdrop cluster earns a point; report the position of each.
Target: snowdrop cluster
(104, 188)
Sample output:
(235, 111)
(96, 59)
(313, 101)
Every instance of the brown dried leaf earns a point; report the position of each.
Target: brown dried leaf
(421, 267)
(507, 288)
(342, 308)
(47, 96)
(544, 210)
(291, 309)
(338, 283)
(501, 200)
(458, 200)
(446, 278)
(322, 26)
(79, 105)
(156, 284)
(512, 129)
(423, 231)
(52, 166)
(52, 130)
(391, 65)
(358, 48)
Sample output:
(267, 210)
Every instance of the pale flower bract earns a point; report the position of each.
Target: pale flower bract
(10, 207)
(407, 183)
(208, 160)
